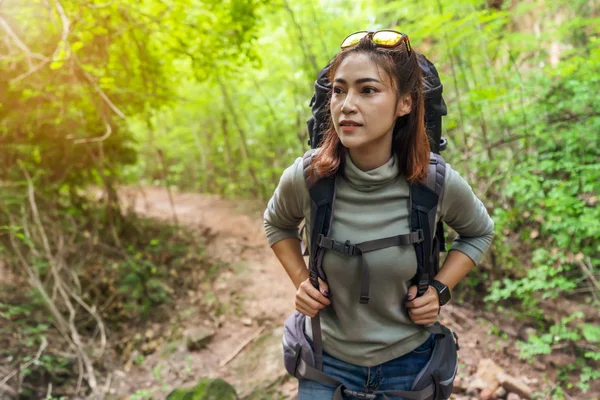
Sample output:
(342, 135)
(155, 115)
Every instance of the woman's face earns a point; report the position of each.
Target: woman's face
(363, 104)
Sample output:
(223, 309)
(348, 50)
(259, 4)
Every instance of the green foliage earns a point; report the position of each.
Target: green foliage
(206, 389)
(239, 125)
(142, 394)
(571, 334)
(557, 333)
(588, 375)
(142, 284)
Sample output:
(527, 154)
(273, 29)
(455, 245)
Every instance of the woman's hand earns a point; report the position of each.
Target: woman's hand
(423, 310)
(309, 300)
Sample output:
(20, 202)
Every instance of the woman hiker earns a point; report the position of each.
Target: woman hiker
(376, 145)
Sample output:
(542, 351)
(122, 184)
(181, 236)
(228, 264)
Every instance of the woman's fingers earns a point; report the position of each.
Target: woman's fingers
(412, 292)
(425, 321)
(423, 318)
(310, 290)
(424, 309)
(430, 296)
(323, 287)
(309, 300)
(308, 312)
(430, 308)
(306, 301)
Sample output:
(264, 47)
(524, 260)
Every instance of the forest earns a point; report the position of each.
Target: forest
(141, 140)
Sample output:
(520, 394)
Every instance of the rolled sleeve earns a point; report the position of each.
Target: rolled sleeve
(467, 215)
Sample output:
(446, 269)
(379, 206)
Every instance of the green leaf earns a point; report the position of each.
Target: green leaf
(54, 65)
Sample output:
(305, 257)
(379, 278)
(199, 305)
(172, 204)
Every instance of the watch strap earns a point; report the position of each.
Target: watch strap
(443, 290)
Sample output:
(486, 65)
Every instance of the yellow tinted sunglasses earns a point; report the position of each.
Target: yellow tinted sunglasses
(384, 38)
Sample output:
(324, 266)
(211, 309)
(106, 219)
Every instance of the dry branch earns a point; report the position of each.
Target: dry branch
(67, 328)
(65, 22)
(241, 347)
(49, 392)
(97, 88)
(20, 44)
(587, 269)
(43, 346)
(98, 139)
(30, 72)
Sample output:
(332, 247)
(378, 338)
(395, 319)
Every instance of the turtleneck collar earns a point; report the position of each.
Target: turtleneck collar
(368, 181)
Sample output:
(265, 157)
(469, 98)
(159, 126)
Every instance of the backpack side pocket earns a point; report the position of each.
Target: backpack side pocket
(441, 368)
(295, 344)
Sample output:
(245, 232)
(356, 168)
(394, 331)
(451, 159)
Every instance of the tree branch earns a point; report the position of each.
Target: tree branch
(54, 269)
(98, 90)
(30, 72)
(43, 346)
(20, 44)
(66, 29)
(98, 139)
(587, 269)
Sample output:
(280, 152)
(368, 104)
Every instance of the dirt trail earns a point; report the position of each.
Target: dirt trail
(253, 280)
(264, 296)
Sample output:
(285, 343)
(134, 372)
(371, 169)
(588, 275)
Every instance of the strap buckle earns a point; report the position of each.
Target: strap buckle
(420, 235)
(364, 299)
(346, 248)
(360, 395)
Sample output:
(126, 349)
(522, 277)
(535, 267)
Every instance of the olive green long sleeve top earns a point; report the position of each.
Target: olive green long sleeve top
(372, 205)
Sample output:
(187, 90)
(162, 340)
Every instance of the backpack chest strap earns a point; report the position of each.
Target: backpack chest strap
(348, 249)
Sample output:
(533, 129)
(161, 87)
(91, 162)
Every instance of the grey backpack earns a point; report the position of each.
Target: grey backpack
(435, 381)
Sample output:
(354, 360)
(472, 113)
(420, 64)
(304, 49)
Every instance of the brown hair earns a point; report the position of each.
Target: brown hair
(410, 142)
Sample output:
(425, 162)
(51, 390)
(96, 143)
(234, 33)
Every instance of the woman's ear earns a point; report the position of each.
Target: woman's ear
(404, 106)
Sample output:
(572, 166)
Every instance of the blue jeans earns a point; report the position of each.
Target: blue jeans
(396, 374)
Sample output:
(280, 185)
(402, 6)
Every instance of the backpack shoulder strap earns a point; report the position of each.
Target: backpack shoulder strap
(436, 174)
(321, 191)
(424, 201)
(306, 166)
(322, 194)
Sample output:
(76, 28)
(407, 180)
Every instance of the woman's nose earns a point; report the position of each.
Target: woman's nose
(348, 106)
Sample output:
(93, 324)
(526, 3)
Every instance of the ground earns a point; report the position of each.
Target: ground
(254, 295)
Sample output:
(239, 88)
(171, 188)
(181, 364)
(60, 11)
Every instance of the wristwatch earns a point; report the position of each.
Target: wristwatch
(443, 291)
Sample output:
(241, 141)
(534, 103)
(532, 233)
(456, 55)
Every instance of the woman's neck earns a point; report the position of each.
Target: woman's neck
(370, 157)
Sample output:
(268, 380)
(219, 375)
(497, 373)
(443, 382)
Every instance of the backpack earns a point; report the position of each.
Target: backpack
(304, 360)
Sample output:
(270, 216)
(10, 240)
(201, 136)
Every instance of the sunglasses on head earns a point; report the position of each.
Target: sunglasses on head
(384, 38)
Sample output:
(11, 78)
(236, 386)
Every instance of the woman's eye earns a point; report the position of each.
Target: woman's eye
(369, 90)
(337, 90)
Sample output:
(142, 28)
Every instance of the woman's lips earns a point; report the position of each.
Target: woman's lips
(349, 128)
(349, 125)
